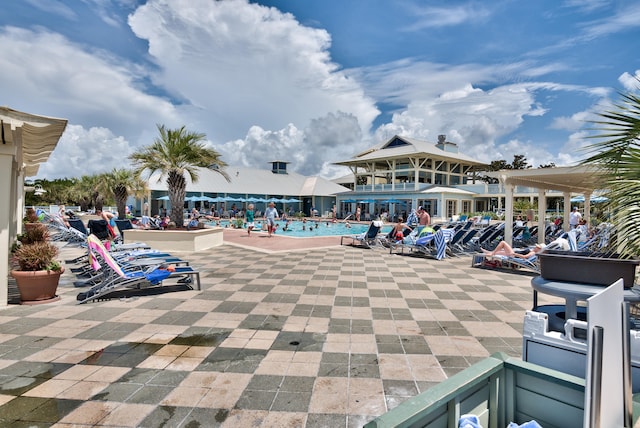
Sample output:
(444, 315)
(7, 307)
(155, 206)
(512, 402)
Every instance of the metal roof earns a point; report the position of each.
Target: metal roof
(255, 181)
(412, 148)
(573, 179)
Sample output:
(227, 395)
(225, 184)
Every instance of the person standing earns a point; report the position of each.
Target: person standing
(250, 219)
(270, 215)
(424, 219)
(574, 218)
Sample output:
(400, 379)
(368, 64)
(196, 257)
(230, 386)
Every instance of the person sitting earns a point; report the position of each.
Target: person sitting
(136, 224)
(193, 223)
(504, 249)
(585, 233)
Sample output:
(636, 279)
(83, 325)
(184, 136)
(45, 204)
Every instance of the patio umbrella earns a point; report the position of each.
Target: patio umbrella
(349, 201)
(206, 199)
(392, 201)
(291, 200)
(162, 198)
(193, 198)
(367, 201)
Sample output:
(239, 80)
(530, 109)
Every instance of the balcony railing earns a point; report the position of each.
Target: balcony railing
(479, 188)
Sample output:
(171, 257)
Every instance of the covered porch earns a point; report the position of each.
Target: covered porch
(26, 141)
(581, 180)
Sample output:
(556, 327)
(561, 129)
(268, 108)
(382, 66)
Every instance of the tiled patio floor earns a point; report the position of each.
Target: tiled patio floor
(329, 337)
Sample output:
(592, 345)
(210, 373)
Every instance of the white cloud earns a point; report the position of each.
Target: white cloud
(435, 16)
(469, 116)
(55, 7)
(242, 67)
(83, 151)
(45, 73)
(630, 82)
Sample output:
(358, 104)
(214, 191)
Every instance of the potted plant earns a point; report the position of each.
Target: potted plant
(35, 267)
(30, 219)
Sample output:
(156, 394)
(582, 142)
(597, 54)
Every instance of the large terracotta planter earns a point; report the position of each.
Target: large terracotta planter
(37, 286)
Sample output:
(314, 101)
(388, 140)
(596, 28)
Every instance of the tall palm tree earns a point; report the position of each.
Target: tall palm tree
(121, 183)
(173, 154)
(618, 158)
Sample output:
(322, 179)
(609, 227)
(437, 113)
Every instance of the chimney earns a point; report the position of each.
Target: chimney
(445, 145)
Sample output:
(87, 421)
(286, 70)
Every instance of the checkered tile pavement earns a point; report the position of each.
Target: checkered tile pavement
(317, 338)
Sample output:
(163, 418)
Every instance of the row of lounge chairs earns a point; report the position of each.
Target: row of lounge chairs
(130, 271)
(122, 269)
(468, 238)
(597, 245)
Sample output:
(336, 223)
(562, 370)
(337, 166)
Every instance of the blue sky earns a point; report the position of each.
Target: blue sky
(313, 82)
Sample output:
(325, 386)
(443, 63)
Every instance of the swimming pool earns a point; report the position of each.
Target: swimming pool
(299, 229)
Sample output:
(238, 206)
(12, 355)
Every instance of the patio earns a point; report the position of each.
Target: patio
(283, 335)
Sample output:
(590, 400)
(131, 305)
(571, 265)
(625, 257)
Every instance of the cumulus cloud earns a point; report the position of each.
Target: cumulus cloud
(472, 118)
(83, 151)
(242, 66)
(630, 82)
(263, 86)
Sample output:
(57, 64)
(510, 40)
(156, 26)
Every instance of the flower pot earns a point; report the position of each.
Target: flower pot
(37, 286)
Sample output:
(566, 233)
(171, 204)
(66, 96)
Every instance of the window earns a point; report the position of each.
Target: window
(452, 208)
(466, 206)
(397, 142)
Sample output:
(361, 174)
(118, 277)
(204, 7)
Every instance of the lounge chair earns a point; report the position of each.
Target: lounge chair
(505, 262)
(99, 229)
(123, 225)
(367, 239)
(431, 245)
(115, 280)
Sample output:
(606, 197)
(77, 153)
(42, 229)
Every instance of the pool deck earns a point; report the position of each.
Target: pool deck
(285, 333)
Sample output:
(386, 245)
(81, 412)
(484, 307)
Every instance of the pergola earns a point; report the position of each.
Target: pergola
(568, 180)
(26, 141)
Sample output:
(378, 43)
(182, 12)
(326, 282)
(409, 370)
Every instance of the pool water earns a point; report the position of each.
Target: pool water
(299, 229)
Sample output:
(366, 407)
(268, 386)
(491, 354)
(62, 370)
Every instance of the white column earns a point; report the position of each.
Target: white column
(567, 210)
(19, 205)
(542, 213)
(393, 175)
(508, 213)
(587, 208)
(7, 177)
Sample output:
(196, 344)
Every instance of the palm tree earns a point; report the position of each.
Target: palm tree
(84, 192)
(121, 183)
(617, 156)
(172, 154)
